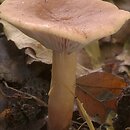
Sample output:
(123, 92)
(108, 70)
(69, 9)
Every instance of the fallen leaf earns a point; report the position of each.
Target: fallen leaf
(22, 41)
(93, 107)
(102, 80)
(98, 92)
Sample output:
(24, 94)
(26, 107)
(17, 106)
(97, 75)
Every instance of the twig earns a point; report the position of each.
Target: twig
(85, 115)
(82, 125)
(76, 122)
(42, 103)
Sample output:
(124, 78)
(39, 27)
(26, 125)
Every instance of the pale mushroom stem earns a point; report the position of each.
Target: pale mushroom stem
(61, 97)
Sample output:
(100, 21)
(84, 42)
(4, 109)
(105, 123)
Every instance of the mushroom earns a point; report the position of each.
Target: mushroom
(65, 26)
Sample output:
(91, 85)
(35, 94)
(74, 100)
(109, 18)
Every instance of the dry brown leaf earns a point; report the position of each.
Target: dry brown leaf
(98, 92)
(93, 107)
(22, 41)
(102, 80)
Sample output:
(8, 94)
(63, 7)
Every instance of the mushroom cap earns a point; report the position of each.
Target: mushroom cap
(64, 24)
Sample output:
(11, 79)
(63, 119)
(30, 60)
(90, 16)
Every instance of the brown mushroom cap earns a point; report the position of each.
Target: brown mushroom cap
(64, 24)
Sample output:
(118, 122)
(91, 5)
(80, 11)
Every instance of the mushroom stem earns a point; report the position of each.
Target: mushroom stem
(61, 98)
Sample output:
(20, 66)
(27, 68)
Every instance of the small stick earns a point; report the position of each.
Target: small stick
(82, 125)
(85, 115)
(42, 103)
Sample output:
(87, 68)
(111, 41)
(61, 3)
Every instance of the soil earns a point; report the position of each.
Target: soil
(122, 121)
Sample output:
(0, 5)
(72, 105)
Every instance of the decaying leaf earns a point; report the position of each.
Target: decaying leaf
(99, 89)
(23, 41)
(102, 80)
(93, 107)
